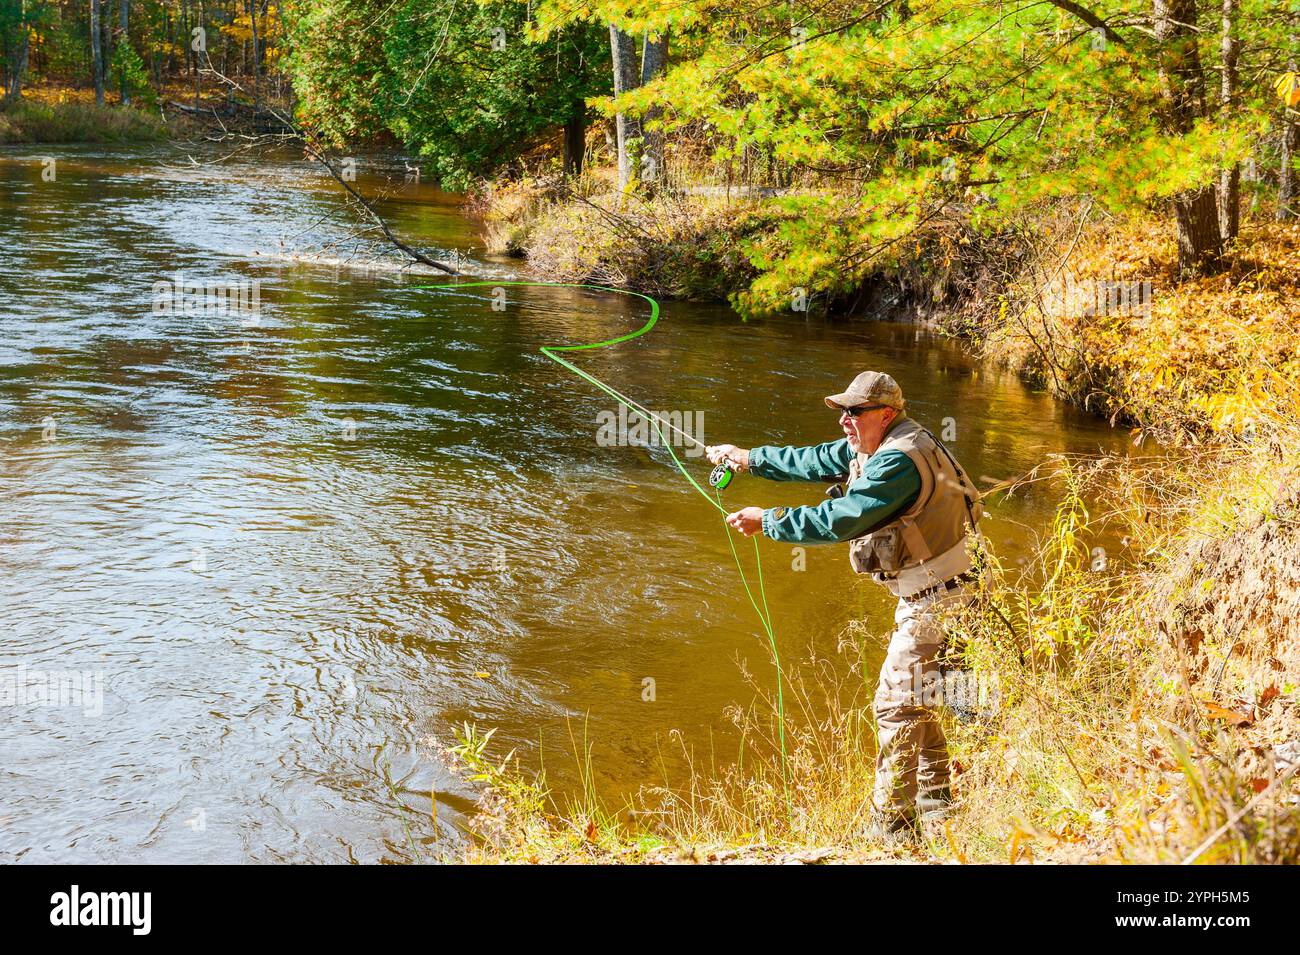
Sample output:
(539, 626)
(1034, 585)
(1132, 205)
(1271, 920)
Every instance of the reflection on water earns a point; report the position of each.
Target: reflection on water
(295, 547)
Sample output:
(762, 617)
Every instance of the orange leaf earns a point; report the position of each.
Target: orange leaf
(1158, 757)
(1233, 717)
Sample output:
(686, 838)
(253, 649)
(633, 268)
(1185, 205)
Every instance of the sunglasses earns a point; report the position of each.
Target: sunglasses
(861, 409)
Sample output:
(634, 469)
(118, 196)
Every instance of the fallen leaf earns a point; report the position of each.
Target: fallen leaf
(1158, 757)
(1232, 717)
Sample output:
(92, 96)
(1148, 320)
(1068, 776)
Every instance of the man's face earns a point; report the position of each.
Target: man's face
(866, 430)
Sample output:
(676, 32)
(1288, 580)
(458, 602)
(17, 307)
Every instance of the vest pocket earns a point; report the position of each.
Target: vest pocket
(882, 552)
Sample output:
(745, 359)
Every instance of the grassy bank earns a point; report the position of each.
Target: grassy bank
(1147, 699)
(679, 244)
(54, 113)
(75, 120)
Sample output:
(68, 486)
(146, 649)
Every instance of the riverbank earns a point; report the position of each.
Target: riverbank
(1148, 707)
(1048, 298)
(51, 113)
(1089, 307)
(31, 121)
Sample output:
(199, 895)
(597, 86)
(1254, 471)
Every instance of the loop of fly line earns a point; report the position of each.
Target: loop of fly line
(718, 479)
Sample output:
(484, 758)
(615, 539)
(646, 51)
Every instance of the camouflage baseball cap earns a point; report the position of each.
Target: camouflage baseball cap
(869, 388)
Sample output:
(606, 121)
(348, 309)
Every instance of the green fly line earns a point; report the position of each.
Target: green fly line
(550, 351)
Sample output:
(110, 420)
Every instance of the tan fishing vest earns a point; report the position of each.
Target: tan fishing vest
(933, 526)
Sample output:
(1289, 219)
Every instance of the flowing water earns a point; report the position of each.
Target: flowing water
(279, 551)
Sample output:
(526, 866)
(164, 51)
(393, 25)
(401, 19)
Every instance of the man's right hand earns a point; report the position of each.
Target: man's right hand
(739, 457)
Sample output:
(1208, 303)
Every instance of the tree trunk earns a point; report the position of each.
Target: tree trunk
(1228, 201)
(1286, 186)
(654, 56)
(106, 39)
(201, 55)
(1229, 192)
(252, 20)
(623, 51)
(162, 60)
(96, 52)
(124, 8)
(575, 139)
(17, 64)
(654, 59)
(1287, 207)
(1200, 243)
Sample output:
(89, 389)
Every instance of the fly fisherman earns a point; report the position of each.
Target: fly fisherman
(905, 513)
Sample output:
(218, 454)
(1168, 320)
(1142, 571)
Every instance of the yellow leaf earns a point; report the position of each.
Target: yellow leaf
(1288, 89)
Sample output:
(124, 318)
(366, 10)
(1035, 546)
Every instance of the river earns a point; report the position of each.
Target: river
(282, 550)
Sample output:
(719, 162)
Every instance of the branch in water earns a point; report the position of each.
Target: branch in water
(317, 154)
(315, 151)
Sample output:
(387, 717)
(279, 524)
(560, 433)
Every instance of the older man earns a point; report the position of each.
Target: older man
(905, 512)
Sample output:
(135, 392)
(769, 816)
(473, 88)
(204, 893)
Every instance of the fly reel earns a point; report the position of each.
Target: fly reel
(721, 475)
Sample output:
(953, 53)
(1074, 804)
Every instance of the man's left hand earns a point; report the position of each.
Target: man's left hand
(749, 521)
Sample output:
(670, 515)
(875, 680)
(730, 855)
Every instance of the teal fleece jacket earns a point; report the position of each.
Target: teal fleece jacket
(888, 486)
